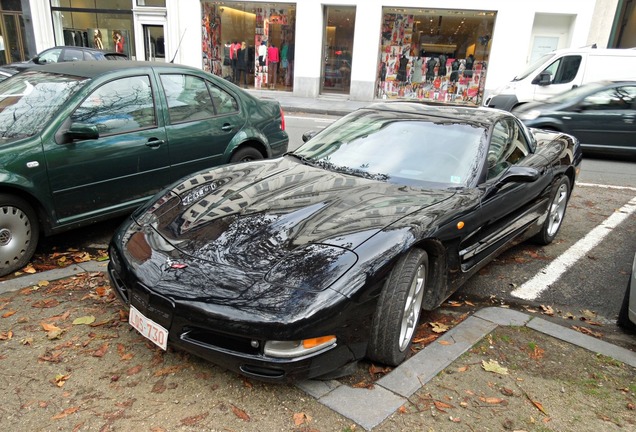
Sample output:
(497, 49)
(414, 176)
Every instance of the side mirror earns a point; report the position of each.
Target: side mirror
(519, 174)
(309, 135)
(37, 60)
(545, 78)
(81, 131)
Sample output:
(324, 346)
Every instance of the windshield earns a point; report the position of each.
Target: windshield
(533, 67)
(394, 147)
(574, 93)
(29, 100)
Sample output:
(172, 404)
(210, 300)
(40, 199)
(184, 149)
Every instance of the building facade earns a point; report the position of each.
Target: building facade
(440, 50)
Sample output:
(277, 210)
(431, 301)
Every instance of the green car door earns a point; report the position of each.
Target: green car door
(121, 165)
(201, 123)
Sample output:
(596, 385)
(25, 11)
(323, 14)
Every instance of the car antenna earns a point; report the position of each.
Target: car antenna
(179, 46)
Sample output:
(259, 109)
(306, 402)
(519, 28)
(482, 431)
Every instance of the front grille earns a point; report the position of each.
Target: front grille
(152, 305)
(219, 340)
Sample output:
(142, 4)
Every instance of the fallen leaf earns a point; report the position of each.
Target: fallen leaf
(66, 412)
(26, 341)
(547, 310)
(491, 400)
(88, 319)
(101, 351)
(300, 418)
(587, 331)
(60, 379)
(193, 420)
(7, 314)
(402, 410)
(43, 283)
(506, 391)
(8, 335)
(134, 370)
(438, 327)
(442, 406)
(455, 419)
(240, 413)
(494, 366)
(168, 370)
(588, 314)
(29, 269)
(425, 340)
(462, 369)
(48, 303)
(445, 342)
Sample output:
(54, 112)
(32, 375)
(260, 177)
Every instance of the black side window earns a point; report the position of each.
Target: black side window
(70, 54)
(223, 101)
(120, 106)
(567, 70)
(188, 98)
(618, 98)
(508, 146)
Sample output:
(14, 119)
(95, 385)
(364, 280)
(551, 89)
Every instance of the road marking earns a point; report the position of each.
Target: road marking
(551, 273)
(606, 186)
(316, 119)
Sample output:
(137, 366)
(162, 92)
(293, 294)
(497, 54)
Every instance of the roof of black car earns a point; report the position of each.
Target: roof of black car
(93, 68)
(468, 113)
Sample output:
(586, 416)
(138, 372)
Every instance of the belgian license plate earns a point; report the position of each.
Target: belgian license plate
(148, 328)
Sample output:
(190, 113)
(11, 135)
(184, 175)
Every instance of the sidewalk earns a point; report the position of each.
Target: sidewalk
(403, 396)
(324, 104)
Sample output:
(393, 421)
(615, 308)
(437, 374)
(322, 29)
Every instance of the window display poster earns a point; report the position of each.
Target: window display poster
(97, 38)
(120, 41)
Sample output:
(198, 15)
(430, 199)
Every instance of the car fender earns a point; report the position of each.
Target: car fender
(248, 134)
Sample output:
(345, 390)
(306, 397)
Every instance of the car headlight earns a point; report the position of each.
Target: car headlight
(291, 349)
(529, 115)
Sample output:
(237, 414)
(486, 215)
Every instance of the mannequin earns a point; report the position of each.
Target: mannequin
(430, 69)
(468, 73)
(273, 59)
(417, 71)
(454, 71)
(401, 74)
(241, 60)
(442, 66)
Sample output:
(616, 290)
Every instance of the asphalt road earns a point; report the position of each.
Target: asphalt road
(594, 282)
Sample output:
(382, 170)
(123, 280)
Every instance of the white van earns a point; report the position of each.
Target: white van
(561, 70)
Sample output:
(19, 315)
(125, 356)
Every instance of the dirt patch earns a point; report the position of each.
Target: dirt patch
(533, 383)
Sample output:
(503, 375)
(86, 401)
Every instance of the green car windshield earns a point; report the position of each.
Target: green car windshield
(410, 150)
(29, 100)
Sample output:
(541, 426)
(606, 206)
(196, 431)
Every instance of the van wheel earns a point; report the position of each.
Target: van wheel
(246, 154)
(19, 232)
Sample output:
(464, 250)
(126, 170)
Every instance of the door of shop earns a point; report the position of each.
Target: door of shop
(154, 43)
(12, 38)
(337, 49)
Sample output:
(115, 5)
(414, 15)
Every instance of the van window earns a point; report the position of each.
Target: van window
(564, 70)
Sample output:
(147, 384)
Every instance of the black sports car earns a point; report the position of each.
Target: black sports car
(296, 267)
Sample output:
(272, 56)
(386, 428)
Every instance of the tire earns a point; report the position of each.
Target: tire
(623, 320)
(398, 309)
(19, 232)
(555, 212)
(246, 154)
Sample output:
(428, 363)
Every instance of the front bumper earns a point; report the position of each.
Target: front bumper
(229, 343)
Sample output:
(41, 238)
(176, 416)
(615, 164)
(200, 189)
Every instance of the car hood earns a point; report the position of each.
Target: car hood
(251, 215)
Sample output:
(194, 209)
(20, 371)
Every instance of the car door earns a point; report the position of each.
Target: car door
(563, 72)
(606, 118)
(202, 121)
(507, 208)
(123, 166)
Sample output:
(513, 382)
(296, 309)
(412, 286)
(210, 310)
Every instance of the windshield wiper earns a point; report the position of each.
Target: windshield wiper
(303, 159)
(351, 171)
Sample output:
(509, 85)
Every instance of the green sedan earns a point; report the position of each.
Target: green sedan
(85, 141)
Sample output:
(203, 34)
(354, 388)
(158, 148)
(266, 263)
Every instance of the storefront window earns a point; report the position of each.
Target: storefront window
(105, 29)
(435, 55)
(267, 59)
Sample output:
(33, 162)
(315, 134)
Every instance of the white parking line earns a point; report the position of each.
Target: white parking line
(551, 273)
(316, 119)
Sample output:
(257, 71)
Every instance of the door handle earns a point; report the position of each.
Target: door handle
(154, 142)
(227, 127)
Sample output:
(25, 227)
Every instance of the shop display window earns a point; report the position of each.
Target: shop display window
(434, 54)
(266, 61)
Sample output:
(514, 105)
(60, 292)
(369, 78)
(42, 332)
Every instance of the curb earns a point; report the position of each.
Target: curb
(370, 407)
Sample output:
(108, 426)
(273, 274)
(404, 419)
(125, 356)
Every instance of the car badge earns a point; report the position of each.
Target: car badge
(176, 265)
